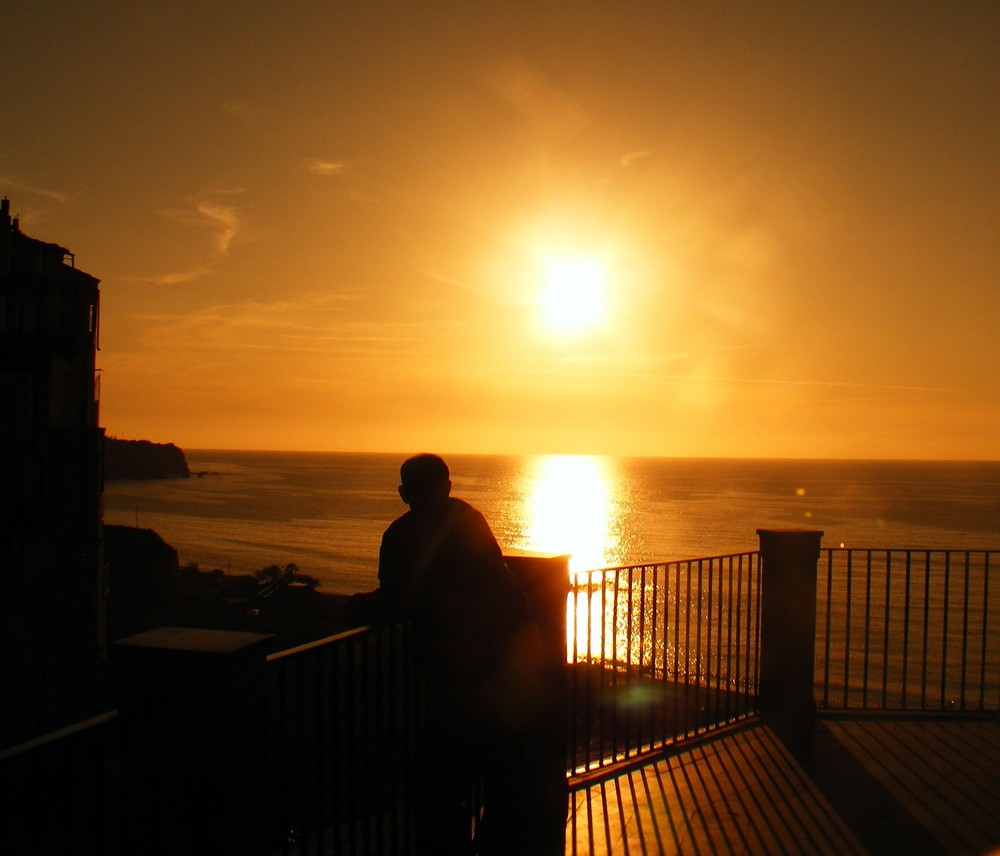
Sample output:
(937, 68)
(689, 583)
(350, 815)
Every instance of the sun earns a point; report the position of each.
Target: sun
(573, 298)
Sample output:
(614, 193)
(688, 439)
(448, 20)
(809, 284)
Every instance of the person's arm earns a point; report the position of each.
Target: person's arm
(391, 577)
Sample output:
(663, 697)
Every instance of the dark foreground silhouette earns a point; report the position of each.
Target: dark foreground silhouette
(475, 645)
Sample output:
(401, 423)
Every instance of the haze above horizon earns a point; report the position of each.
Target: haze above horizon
(664, 230)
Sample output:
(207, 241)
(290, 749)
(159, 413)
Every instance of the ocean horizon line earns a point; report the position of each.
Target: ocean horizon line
(609, 455)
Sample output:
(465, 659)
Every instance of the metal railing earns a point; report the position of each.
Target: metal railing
(659, 653)
(61, 792)
(341, 714)
(908, 630)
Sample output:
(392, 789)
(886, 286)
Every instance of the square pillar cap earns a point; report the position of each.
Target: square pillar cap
(195, 640)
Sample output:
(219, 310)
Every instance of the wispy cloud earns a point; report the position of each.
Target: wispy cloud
(17, 184)
(303, 325)
(756, 381)
(549, 107)
(221, 220)
(447, 280)
(224, 219)
(168, 278)
(628, 159)
(318, 166)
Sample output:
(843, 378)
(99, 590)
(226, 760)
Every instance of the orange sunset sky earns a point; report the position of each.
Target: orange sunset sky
(722, 228)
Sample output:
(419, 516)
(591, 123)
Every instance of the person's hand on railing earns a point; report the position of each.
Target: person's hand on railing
(367, 607)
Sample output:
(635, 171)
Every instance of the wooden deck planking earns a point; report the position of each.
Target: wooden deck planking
(869, 785)
(737, 794)
(945, 774)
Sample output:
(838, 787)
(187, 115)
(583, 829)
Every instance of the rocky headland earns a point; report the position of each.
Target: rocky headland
(141, 459)
(148, 587)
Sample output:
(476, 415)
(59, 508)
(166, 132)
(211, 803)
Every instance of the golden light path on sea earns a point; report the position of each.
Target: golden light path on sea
(573, 505)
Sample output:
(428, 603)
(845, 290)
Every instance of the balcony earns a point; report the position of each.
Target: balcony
(785, 700)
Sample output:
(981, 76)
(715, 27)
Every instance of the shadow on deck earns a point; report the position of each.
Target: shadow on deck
(878, 785)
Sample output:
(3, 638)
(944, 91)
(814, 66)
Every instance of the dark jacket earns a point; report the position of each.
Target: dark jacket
(441, 568)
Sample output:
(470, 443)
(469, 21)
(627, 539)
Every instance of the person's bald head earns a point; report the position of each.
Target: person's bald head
(424, 478)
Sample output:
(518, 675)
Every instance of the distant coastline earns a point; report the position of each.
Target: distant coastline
(139, 460)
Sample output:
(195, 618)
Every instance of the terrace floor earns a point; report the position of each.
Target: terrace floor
(878, 785)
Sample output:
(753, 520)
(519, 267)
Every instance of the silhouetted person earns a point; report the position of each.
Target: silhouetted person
(475, 644)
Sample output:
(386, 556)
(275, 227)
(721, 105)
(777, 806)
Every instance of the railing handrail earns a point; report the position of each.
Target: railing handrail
(58, 734)
(319, 643)
(666, 562)
(862, 549)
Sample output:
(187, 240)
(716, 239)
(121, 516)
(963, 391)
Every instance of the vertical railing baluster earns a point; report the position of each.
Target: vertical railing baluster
(742, 682)
(577, 708)
(687, 651)
(337, 746)
(753, 642)
(665, 676)
(607, 644)
(926, 639)
(300, 761)
(282, 748)
(629, 676)
(730, 683)
(677, 649)
(886, 623)
(721, 622)
(381, 725)
(828, 628)
(363, 771)
(588, 677)
(709, 614)
(394, 721)
(574, 689)
(847, 629)
(986, 635)
(944, 630)
(699, 661)
(866, 658)
(653, 617)
(321, 797)
(640, 657)
(905, 689)
(351, 713)
(965, 631)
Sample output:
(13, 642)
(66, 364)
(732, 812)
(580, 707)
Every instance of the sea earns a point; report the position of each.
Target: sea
(325, 512)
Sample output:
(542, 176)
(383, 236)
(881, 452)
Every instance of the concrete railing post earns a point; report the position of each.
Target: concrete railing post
(788, 631)
(545, 581)
(192, 711)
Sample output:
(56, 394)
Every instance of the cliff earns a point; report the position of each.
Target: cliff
(140, 459)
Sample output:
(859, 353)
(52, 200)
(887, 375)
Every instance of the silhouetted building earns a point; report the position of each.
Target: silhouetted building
(51, 568)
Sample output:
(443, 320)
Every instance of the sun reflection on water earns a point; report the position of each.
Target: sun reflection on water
(573, 508)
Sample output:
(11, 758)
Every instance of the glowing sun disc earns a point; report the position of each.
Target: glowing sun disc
(573, 296)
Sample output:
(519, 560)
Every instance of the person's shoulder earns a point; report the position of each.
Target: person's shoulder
(403, 523)
(460, 508)
(466, 518)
